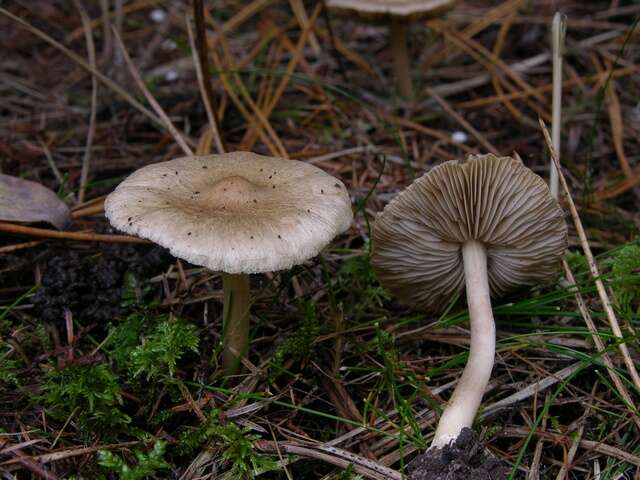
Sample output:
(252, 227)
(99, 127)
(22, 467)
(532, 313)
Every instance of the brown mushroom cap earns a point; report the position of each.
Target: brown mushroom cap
(384, 10)
(417, 239)
(236, 212)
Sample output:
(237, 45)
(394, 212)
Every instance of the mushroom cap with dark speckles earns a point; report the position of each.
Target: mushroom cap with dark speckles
(236, 212)
(418, 238)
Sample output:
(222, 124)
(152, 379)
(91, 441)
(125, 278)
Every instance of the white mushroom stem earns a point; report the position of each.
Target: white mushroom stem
(235, 338)
(401, 67)
(468, 394)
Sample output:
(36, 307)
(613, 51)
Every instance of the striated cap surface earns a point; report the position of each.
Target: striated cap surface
(235, 212)
(417, 239)
(381, 10)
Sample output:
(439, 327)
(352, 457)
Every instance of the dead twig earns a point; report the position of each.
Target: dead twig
(593, 267)
(599, 447)
(199, 47)
(80, 61)
(595, 336)
(334, 456)
(466, 125)
(152, 101)
(91, 50)
(558, 31)
(25, 461)
(78, 236)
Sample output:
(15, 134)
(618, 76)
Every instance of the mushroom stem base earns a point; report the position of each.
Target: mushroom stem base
(235, 338)
(468, 394)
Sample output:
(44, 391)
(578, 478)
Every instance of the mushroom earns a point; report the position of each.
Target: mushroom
(238, 213)
(489, 224)
(397, 14)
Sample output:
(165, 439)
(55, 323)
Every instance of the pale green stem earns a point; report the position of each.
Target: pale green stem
(236, 316)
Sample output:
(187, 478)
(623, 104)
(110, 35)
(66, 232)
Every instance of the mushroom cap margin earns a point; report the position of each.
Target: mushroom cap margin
(285, 213)
(385, 10)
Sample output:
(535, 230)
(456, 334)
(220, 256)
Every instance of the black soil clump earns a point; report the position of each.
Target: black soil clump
(90, 285)
(464, 459)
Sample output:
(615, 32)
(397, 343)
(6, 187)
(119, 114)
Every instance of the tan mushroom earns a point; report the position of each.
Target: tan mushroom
(238, 213)
(489, 224)
(398, 14)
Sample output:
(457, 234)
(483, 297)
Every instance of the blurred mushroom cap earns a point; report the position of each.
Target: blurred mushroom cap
(384, 10)
(235, 212)
(418, 238)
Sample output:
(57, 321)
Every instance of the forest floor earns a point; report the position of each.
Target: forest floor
(109, 351)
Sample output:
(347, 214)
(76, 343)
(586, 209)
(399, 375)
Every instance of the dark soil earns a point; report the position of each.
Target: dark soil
(465, 459)
(90, 286)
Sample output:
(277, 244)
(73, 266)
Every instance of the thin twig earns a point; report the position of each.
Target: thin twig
(91, 50)
(559, 438)
(303, 19)
(152, 101)
(534, 469)
(26, 462)
(286, 78)
(261, 117)
(334, 456)
(575, 443)
(82, 63)
(558, 31)
(95, 209)
(463, 123)
(107, 42)
(200, 45)
(595, 336)
(19, 246)
(80, 236)
(52, 164)
(593, 267)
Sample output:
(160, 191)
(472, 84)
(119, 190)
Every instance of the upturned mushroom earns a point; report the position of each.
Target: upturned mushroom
(237, 213)
(398, 15)
(488, 224)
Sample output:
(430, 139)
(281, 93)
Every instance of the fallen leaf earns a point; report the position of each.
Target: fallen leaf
(27, 201)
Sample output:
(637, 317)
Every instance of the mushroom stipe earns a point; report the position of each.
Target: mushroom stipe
(397, 14)
(488, 224)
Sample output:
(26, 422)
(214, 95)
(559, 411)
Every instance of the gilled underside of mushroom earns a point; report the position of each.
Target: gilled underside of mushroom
(496, 201)
(489, 224)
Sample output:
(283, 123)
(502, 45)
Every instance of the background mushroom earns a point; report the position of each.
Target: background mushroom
(488, 223)
(238, 213)
(398, 14)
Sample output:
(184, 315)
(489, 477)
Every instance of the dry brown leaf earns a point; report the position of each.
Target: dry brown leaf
(27, 201)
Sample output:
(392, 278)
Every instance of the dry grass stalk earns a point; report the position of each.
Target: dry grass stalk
(80, 61)
(497, 50)
(335, 456)
(482, 140)
(593, 267)
(558, 31)
(250, 137)
(301, 15)
(77, 236)
(177, 136)
(200, 51)
(91, 50)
